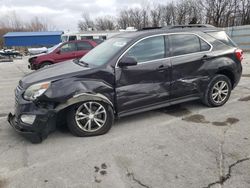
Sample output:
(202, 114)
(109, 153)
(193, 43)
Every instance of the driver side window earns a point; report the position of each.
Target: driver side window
(149, 49)
(69, 47)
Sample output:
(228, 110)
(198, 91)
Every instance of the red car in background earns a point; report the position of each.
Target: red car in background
(62, 52)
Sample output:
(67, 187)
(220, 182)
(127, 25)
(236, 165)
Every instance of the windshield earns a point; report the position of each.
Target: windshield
(105, 51)
(53, 48)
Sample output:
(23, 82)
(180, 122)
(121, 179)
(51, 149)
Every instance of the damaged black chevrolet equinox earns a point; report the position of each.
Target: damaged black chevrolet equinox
(127, 74)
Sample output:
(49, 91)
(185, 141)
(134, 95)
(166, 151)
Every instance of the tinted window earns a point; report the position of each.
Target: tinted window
(148, 49)
(72, 38)
(204, 46)
(184, 44)
(84, 46)
(104, 37)
(69, 47)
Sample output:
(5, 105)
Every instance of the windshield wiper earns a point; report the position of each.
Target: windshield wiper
(81, 62)
(84, 63)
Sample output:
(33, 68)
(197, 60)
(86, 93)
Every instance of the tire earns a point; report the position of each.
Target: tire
(81, 127)
(214, 96)
(45, 64)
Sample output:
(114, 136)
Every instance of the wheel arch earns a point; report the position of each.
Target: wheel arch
(82, 98)
(46, 61)
(229, 74)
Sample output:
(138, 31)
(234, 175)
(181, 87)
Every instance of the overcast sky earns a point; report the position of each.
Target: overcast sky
(64, 14)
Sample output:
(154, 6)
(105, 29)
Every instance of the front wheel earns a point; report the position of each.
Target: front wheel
(45, 64)
(218, 91)
(90, 118)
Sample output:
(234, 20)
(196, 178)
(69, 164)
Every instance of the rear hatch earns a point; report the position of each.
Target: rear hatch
(225, 39)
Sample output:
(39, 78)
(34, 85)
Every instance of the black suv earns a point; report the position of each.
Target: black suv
(128, 74)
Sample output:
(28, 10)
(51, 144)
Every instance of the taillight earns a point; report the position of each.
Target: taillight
(239, 54)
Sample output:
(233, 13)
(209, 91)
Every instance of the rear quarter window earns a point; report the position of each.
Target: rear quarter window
(204, 46)
(222, 37)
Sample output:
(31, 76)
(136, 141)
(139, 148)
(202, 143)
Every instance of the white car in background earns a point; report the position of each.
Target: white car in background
(35, 51)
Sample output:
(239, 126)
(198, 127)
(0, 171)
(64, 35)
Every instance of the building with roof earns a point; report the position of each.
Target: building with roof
(29, 39)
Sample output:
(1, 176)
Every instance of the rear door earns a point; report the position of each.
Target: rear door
(188, 55)
(83, 47)
(67, 51)
(147, 83)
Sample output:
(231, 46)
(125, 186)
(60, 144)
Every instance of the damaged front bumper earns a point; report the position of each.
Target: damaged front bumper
(38, 129)
(34, 137)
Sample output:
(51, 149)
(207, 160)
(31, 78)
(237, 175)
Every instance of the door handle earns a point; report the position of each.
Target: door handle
(205, 57)
(162, 68)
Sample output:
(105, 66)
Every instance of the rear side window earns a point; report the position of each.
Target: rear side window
(182, 44)
(149, 49)
(223, 37)
(84, 46)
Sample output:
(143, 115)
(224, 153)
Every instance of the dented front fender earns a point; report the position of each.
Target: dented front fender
(83, 97)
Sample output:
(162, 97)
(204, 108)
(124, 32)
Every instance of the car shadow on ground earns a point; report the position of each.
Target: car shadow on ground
(178, 110)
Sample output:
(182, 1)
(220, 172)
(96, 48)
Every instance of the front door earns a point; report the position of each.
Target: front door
(67, 52)
(147, 83)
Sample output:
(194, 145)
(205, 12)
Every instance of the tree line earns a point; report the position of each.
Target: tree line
(220, 13)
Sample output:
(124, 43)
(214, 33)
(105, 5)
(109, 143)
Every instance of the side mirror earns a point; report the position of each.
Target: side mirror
(127, 61)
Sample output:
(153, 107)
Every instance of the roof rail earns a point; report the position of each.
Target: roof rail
(190, 26)
(149, 28)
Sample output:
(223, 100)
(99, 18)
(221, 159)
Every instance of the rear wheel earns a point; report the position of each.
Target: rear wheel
(90, 118)
(218, 91)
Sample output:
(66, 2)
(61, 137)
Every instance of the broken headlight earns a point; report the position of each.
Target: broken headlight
(35, 91)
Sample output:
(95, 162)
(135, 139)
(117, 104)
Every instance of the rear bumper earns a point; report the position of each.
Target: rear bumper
(34, 137)
(237, 75)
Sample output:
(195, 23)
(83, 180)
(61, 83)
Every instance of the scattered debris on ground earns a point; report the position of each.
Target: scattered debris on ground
(97, 180)
(104, 166)
(101, 170)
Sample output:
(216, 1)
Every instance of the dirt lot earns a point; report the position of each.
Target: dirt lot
(187, 145)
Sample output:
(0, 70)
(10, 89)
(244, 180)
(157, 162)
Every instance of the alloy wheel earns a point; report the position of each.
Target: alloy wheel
(91, 116)
(220, 91)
